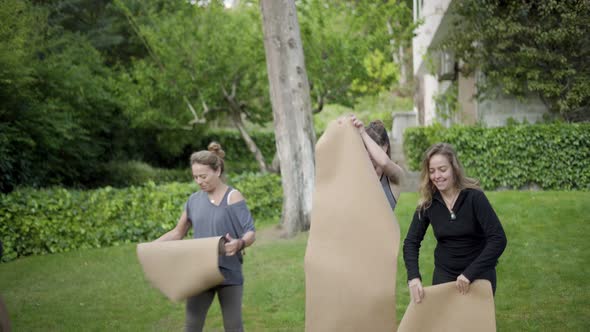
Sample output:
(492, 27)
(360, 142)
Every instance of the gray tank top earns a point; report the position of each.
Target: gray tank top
(210, 220)
(388, 193)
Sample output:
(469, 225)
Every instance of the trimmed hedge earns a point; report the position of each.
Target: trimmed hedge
(553, 156)
(34, 222)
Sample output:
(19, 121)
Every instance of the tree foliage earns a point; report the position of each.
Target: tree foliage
(86, 82)
(57, 114)
(206, 64)
(350, 47)
(541, 47)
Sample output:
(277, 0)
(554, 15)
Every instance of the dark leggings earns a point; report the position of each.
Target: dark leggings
(230, 299)
(440, 277)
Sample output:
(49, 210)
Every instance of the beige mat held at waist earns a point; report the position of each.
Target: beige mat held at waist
(351, 254)
(445, 309)
(180, 269)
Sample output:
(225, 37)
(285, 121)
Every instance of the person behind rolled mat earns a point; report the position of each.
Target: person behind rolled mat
(469, 235)
(216, 210)
(377, 144)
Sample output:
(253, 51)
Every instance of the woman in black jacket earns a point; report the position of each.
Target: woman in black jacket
(470, 238)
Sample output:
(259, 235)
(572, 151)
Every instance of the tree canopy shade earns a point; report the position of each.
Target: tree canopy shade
(541, 47)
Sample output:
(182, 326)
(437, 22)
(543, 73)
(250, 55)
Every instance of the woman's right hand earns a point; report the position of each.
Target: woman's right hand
(358, 124)
(416, 290)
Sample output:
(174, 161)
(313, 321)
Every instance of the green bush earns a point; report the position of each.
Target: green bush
(34, 222)
(135, 173)
(553, 156)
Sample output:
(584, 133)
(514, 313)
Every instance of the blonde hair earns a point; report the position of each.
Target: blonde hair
(212, 157)
(427, 188)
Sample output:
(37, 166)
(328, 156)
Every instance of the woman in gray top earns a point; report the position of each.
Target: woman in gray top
(216, 210)
(377, 144)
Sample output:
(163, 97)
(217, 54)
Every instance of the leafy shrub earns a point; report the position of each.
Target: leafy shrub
(34, 222)
(554, 156)
(136, 173)
(264, 195)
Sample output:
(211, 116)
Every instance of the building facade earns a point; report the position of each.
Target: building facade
(437, 79)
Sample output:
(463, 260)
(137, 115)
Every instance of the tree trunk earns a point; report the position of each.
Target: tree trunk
(291, 104)
(238, 123)
(397, 55)
(235, 110)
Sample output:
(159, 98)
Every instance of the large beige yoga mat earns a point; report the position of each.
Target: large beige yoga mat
(445, 309)
(184, 268)
(351, 255)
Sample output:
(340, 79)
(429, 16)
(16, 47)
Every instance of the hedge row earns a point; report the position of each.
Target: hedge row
(553, 156)
(34, 222)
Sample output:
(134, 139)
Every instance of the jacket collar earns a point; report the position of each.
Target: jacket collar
(436, 196)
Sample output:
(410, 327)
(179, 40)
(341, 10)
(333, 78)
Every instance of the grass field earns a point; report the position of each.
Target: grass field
(542, 275)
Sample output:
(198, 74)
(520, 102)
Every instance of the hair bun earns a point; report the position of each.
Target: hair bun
(216, 148)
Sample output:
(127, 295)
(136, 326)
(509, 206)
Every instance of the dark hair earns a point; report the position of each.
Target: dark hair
(212, 157)
(376, 130)
(427, 188)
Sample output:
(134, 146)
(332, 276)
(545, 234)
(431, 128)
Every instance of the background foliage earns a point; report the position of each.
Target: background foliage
(91, 86)
(35, 222)
(552, 156)
(541, 47)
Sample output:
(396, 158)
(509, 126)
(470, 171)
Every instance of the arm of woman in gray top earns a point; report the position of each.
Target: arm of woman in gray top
(232, 246)
(178, 232)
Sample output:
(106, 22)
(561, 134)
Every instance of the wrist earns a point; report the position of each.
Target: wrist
(242, 244)
(414, 281)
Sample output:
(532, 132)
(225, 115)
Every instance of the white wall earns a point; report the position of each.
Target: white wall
(432, 13)
(495, 112)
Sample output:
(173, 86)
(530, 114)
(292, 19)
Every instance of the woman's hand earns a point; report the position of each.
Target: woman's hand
(463, 284)
(358, 124)
(416, 290)
(232, 246)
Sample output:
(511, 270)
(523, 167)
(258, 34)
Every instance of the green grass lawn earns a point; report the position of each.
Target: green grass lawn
(541, 278)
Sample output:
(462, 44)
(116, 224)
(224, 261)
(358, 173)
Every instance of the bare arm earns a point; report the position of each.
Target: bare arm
(179, 231)
(380, 157)
(232, 246)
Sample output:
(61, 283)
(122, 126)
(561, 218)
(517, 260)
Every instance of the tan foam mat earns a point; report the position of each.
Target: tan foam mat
(351, 255)
(444, 309)
(180, 269)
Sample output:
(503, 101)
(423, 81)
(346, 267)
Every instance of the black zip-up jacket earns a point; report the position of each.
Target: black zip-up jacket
(469, 245)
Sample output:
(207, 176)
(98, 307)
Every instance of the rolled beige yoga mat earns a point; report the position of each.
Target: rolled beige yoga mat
(351, 255)
(444, 309)
(184, 268)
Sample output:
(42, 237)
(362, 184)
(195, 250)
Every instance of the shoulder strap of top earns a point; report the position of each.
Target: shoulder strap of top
(232, 190)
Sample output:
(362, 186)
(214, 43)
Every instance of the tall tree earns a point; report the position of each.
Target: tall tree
(291, 104)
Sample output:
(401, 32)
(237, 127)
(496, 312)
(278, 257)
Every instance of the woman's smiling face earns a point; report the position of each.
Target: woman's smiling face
(441, 172)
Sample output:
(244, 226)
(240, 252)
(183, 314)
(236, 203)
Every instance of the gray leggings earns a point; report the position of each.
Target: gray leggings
(230, 299)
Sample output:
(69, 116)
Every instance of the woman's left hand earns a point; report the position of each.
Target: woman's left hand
(463, 284)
